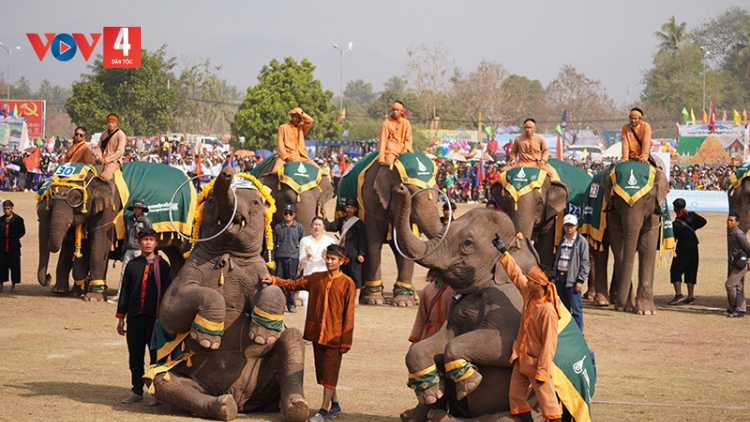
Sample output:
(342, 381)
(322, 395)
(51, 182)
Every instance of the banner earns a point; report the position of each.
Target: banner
(700, 145)
(450, 136)
(701, 200)
(34, 111)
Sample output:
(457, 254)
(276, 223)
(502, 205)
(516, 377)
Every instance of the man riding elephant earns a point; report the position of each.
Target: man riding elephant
(290, 141)
(111, 149)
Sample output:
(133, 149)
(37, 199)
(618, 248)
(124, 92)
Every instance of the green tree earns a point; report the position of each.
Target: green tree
(206, 103)
(521, 98)
(381, 108)
(358, 95)
(396, 83)
(281, 87)
(719, 34)
(55, 95)
(478, 92)
(21, 89)
(672, 35)
(143, 98)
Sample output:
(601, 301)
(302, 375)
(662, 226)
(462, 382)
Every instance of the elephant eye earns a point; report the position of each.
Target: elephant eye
(468, 242)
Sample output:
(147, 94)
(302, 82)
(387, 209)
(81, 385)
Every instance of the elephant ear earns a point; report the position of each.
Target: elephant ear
(384, 182)
(102, 194)
(555, 200)
(662, 186)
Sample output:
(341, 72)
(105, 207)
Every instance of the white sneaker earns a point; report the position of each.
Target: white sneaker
(133, 398)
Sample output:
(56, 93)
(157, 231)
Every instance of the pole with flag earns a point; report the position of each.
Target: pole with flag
(736, 119)
(692, 116)
(3, 170)
(558, 153)
(724, 118)
(704, 118)
(563, 127)
(685, 115)
(712, 119)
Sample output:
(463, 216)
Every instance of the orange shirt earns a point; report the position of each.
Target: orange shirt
(395, 139)
(631, 149)
(529, 151)
(290, 142)
(432, 313)
(330, 311)
(536, 342)
(79, 153)
(115, 150)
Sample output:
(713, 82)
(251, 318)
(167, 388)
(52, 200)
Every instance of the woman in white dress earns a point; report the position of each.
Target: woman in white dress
(312, 252)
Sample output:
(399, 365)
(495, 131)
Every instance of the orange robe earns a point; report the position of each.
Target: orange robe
(631, 149)
(395, 139)
(529, 151)
(79, 153)
(290, 142)
(432, 313)
(113, 155)
(533, 349)
(330, 310)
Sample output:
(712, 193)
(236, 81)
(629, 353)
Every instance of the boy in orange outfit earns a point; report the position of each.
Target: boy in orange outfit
(329, 322)
(536, 342)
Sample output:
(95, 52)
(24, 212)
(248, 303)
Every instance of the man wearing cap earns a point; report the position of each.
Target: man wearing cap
(286, 238)
(352, 232)
(111, 149)
(395, 135)
(134, 224)
(686, 262)
(146, 279)
(12, 229)
(536, 341)
(449, 211)
(572, 267)
(79, 151)
(290, 141)
(636, 137)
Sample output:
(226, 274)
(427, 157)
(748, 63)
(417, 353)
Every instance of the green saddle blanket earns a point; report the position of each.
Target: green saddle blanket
(67, 173)
(257, 170)
(593, 220)
(739, 174)
(632, 179)
(300, 176)
(155, 184)
(349, 183)
(573, 369)
(518, 181)
(576, 179)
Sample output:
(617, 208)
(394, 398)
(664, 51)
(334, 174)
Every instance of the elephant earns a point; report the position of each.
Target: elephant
(631, 226)
(308, 199)
(87, 207)
(483, 320)
(535, 211)
(377, 213)
(236, 362)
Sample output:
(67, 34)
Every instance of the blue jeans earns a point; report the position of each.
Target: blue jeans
(287, 268)
(571, 299)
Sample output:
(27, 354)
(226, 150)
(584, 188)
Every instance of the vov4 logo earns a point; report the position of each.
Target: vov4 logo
(122, 46)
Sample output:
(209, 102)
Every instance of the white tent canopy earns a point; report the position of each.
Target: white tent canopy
(615, 151)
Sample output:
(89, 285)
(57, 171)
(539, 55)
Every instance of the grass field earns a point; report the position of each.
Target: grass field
(61, 359)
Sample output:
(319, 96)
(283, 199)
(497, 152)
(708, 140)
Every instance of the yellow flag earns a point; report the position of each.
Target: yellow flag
(692, 116)
(737, 119)
(744, 116)
(704, 119)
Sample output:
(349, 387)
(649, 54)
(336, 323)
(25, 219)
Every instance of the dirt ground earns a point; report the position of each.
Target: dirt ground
(61, 358)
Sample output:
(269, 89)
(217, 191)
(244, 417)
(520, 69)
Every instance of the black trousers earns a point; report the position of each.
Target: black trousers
(139, 331)
(10, 261)
(287, 268)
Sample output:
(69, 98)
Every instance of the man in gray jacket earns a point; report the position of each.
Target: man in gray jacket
(736, 243)
(572, 268)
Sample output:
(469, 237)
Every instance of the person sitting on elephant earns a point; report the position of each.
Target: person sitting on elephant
(79, 151)
(352, 232)
(153, 274)
(111, 150)
(529, 149)
(290, 141)
(636, 137)
(329, 324)
(395, 135)
(434, 305)
(134, 224)
(536, 341)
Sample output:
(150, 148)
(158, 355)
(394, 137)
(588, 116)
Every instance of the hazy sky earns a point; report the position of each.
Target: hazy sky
(610, 42)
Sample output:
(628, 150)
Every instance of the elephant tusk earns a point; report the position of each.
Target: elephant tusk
(218, 222)
(242, 223)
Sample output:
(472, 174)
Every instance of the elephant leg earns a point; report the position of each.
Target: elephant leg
(62, 271)
(372, 290)
(428, 384)
(186, 394)
(601, 275)
(266, 329)
(282, 371)
(624, 246)
(545, 245)
(101, 243)
(647, 250)
(403, 291)
(81, 268)
(199, 310)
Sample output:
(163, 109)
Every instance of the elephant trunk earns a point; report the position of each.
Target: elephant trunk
(426, 216)
(63, 215)
(44, 225)
(410, 245)
(224, 198)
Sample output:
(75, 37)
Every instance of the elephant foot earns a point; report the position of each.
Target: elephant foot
(95, 297)
(296, 409)
(417, 414)
(45, 281)
(432, 394)
(207, 341)
(467, 385)
(62, 290)
(624, 308)
(371, 299)
(224, 408)
(589, 295)
(601, 300)
(404, 300)
(438, 415)
(645, 307)
(262, 335)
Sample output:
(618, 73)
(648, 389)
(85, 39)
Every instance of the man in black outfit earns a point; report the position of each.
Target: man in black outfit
(12, 230)
(352, 232)
(286, 237)
(153, 274)
(686, 262)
